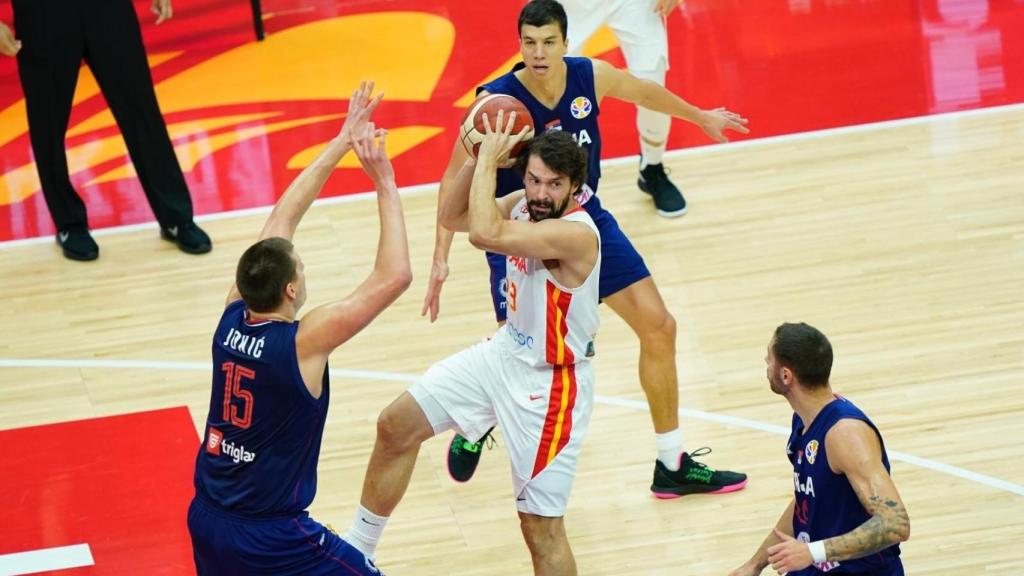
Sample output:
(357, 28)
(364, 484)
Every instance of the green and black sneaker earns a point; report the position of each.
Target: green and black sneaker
(463, 455)
(692, 478)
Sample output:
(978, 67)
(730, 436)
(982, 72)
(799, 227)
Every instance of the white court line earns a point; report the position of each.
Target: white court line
(735, 421)
(45, 560)
(694, 151)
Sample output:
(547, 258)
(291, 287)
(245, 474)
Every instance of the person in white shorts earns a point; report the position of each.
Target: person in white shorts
(639, 26)
(533, 377)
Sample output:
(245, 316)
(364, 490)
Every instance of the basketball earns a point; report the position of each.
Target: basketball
(472, 132)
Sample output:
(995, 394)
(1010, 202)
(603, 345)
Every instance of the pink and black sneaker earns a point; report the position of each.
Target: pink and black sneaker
(694, 478)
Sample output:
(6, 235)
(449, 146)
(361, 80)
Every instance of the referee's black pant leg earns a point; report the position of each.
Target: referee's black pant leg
(117, 58)
(48, 64)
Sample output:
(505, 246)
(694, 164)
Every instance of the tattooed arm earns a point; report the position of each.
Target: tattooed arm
(855, 450)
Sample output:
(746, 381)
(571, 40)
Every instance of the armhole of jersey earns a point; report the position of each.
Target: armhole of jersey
(296, 371)
(595, 270)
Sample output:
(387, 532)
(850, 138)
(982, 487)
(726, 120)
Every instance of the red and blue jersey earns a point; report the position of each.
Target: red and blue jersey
(826, 504)
(263, 432)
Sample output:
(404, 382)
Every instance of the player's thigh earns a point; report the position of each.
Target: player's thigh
(544, 415)
(621, 263)
(640, 304)
(460, 387)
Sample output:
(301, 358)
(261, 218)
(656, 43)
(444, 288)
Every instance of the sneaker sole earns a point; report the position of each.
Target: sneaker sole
(662, 213)
(675, 214)
(446, 469)
(723, 490)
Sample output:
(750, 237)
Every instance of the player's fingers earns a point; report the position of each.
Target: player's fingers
(499, 122)
(507, 129)
(374, 102)
(487, 123)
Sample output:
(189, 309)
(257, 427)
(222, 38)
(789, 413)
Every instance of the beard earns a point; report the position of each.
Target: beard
(775, 382)
(544, 209)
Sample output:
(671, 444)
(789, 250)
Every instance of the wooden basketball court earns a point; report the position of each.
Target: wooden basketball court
(904, 243)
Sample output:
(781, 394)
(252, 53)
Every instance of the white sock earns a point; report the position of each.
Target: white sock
(365, 531)
(670, 447)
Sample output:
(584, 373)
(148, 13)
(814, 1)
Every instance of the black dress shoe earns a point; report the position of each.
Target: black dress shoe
(189, 238)
(78, 244)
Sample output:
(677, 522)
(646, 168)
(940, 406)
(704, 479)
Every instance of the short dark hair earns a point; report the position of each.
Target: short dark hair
(263, 272)
(806, 351)
(558, 151)
(541, 13)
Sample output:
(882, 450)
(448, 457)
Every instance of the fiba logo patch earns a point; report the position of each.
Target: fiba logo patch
(580, 107)
(213, 439)
(811, 451)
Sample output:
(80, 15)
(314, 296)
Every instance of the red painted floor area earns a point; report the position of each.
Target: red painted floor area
(121, 484)
(789, 66)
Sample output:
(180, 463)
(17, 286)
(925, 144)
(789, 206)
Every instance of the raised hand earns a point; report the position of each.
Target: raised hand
(360, 108)
(370, 148)
(498, 143)
(714, 122)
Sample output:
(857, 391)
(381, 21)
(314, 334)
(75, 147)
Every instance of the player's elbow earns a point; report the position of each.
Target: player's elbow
(449, 220)
(482, 239)
(903, 532)
(393, 280)
(400, 279)
(898, 528)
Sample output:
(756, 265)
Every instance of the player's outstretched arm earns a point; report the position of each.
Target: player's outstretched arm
(444, 234)
(855, 451)
(293, 204)
(759, 560)
(453, 207)
(330, 325)
(611, 81)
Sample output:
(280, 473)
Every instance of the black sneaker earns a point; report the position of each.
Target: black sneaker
(667, 198)
(694, 478)
(78, 244)
(463, 455)
(189, 238)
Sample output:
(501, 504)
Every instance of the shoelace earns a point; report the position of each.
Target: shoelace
(703, 451)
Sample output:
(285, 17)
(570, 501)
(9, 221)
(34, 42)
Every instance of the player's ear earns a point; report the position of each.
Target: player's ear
(290, 291)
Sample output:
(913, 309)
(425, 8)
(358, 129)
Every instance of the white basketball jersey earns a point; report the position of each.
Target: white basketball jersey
(549, 324)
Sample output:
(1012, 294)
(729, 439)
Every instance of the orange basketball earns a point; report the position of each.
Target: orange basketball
(472, 132)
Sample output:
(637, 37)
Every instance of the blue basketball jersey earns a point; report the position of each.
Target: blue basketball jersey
(826, 504)
(575, 113)
(263, 432)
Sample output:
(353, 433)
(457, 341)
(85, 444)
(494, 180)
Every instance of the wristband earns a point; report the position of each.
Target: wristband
(817, 551)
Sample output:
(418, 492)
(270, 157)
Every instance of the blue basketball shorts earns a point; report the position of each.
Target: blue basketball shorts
(621, 264)
(224, 544)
